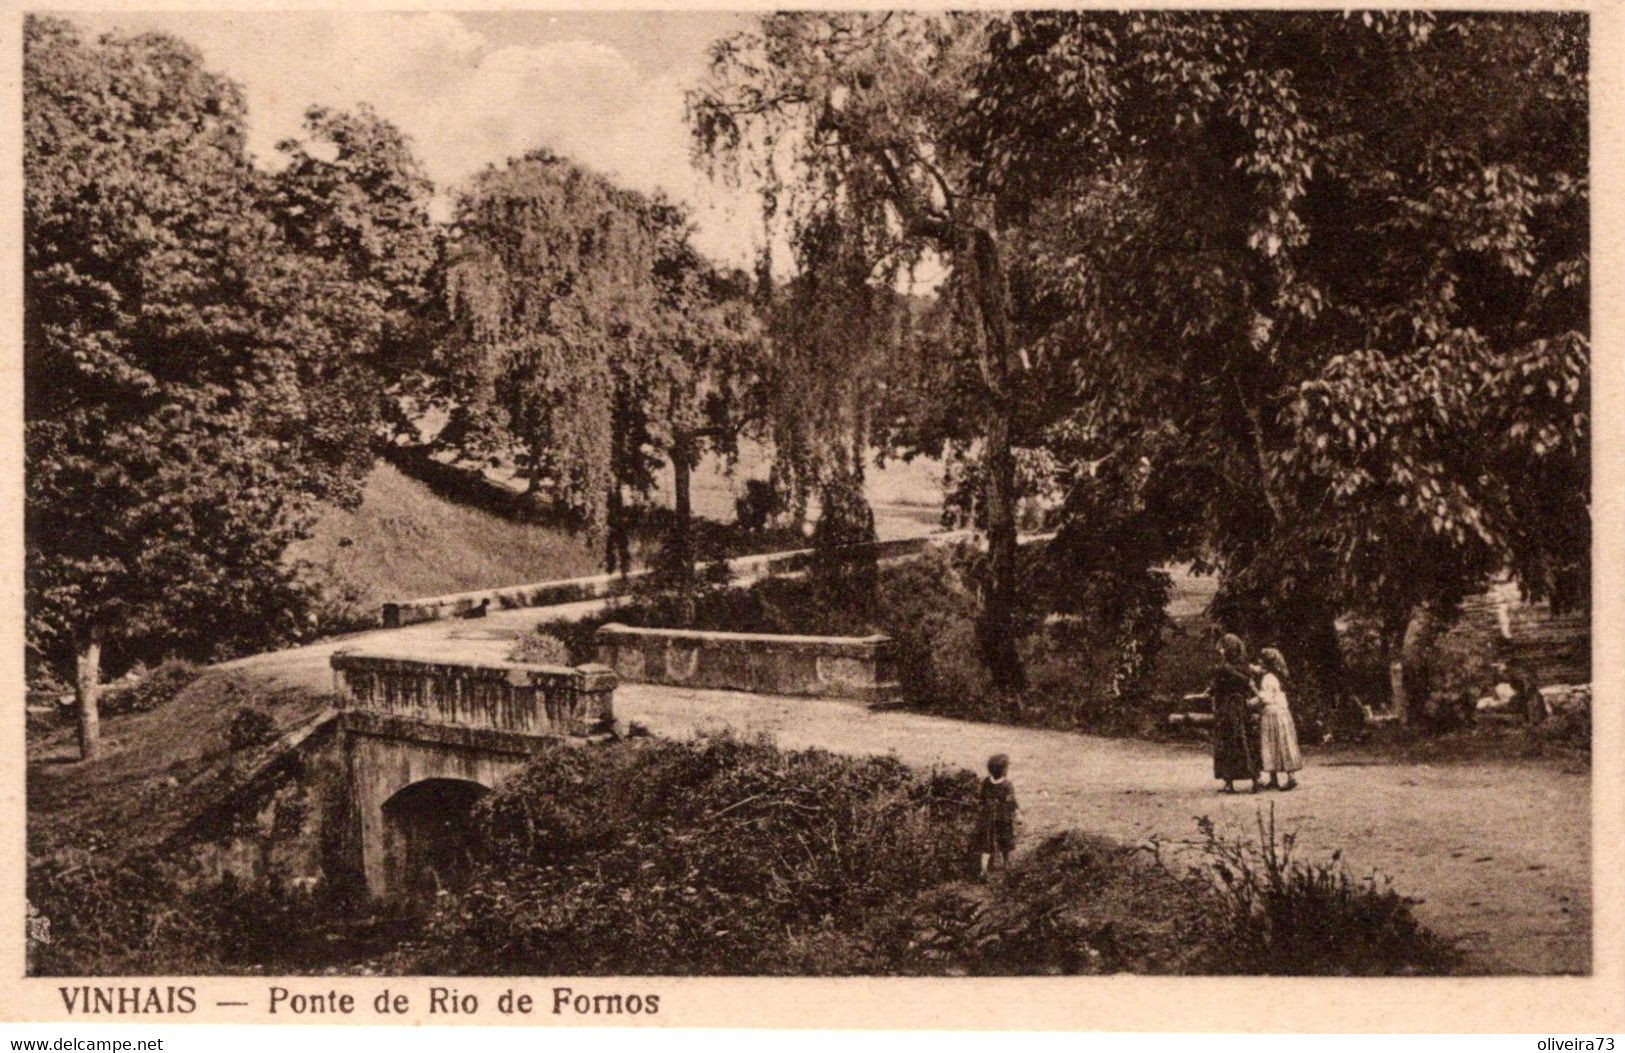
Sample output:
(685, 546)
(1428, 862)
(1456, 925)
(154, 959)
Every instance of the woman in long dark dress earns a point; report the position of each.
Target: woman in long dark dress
(1234, 754)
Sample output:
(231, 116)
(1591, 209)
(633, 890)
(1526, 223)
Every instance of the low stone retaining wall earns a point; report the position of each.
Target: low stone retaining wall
(602, 586)
(541, 594)
(512, 697)
(861, 668)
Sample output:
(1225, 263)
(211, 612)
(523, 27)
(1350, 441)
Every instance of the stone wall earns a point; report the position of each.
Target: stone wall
(381, 764)
(513, 697)
(451, 729)
(861, 668)
(397, 613)
(319, 808)
(1554, 648)
(290, 816)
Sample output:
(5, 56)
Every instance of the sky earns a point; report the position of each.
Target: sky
(471, 89)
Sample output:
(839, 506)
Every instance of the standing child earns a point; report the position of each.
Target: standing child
(1278, 735)
(995, 814)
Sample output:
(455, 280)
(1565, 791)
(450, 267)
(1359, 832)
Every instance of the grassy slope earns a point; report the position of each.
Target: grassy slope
(405, 541)
(157, 769)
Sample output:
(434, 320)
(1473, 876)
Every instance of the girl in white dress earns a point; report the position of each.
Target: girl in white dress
(1278, 735)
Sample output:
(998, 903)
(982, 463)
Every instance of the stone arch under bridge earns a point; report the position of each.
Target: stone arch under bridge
(419, 742)
(427, 832)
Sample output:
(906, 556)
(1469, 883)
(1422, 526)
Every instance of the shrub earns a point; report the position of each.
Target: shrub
(1287, 917)
(1075, 905)
(151, 689)
(928, 608)
(106, 916)
(757, 505)
(144, 915)
(1089, 669)
(575, 634)
(336, 603)
(650, 857)
(1364, 658)
(1461, 671)
(1184, 664)
(844, 572)
(541, 648)
(1570, 723)
(250, 727)
(1571, 728)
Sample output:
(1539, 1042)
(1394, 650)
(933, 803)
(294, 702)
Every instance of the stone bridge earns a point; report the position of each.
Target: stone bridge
(417, 742)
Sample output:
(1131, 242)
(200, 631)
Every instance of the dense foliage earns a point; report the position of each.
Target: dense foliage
(352, 192)
(197, 355)
(1300, 296)
(845, 122)
(1324, 282)
(692, 387)
(549, 283)
(632, 860)
(586, 332)
(1284, 917)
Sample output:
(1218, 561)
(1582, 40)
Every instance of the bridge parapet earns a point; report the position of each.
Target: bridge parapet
(861, 668)
(511, 697)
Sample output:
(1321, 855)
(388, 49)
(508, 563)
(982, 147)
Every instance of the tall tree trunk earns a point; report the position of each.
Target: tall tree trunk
(86, 691)
(1392, 636)
(1409, 648)
(1322, 657)
(1416, 657)
(623, 539)
(532, 501)
(1398, 697)
(996, 630)
(682, 467)
(618, 553)
(617, 545)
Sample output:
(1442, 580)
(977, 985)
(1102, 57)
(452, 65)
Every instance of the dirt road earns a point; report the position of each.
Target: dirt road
(1499, 853)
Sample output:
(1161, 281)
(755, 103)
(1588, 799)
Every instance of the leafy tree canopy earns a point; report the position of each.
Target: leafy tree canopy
(352, 193)
(1326, 277)
(550, 280)
(195, 373)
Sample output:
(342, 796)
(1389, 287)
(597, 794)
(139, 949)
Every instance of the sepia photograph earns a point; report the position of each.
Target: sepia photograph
(829, 493)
